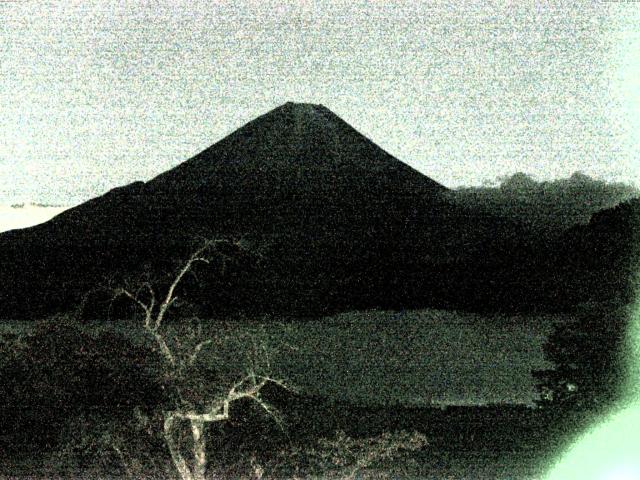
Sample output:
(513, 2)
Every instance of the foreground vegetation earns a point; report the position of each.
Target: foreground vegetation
(81, 397)
(91, 401)
(172, 396)
(88, 399)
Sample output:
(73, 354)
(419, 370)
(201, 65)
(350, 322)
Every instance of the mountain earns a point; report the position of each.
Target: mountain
(328, 220)
(296, 149)
(319, 202)
(334, 220)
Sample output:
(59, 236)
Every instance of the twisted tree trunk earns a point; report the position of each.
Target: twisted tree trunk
(178, 460)
(198, 421)
(199, 449)
(247, 388)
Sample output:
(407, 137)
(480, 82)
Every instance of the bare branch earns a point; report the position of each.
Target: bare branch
(271, 411)
(164, 348)
(169, 298)
(194, 356)
(280, 383)
(217, 409)
(148, 287)
(122, 291)
(248, 387)
(177, 458)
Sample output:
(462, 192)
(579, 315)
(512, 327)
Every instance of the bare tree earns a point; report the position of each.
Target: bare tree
(208, 407)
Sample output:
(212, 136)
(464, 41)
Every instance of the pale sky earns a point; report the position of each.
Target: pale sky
(12, 216)
(96, 94)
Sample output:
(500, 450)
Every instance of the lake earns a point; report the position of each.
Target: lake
(406, 357)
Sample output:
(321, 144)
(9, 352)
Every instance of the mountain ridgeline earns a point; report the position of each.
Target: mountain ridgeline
(328, 222)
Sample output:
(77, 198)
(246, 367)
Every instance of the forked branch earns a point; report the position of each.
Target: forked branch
(249, 387)
(206, 411)
(155, 314)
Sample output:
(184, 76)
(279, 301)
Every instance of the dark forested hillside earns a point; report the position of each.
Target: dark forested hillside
(546, 207)
(327, 221)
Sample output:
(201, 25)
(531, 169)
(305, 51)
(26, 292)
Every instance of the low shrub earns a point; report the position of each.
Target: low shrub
(65, 370)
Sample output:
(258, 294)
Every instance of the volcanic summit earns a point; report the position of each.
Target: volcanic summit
(335, 223)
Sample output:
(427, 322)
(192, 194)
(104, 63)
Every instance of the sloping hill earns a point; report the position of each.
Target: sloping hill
(600, 261)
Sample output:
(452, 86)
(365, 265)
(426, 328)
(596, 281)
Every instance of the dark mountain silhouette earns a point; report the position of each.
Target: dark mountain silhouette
(294, 150)
(586, 264)
(329, 220)
(600, 261)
